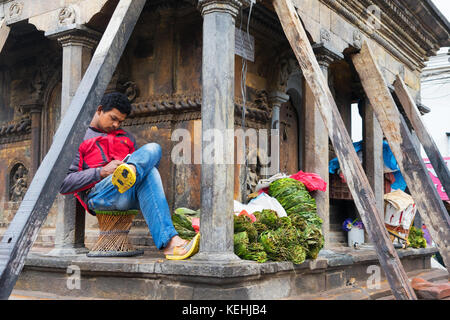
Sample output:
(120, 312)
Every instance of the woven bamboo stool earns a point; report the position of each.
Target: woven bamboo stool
(113, 240)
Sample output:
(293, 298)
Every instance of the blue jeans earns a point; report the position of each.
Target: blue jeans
(147, 194)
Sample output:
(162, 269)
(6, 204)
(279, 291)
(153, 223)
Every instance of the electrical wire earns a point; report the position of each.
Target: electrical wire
(244, 92)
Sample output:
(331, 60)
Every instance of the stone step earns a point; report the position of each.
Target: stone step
(39, 295)
(152, 277)
(359, 291)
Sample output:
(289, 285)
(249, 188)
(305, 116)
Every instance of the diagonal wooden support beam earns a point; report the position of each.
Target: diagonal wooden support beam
(408, 104)
(413, 169)
(4, 32)
(350, 165)
(24, 228)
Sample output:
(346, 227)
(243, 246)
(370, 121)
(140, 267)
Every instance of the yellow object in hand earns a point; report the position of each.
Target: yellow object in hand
(123, 177)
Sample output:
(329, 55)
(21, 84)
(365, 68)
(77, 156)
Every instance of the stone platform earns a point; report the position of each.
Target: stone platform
(152, 277)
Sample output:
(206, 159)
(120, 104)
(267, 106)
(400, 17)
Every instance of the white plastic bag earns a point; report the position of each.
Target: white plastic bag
(267, 202)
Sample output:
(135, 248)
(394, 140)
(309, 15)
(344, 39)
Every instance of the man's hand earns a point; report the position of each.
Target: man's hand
(109, 168)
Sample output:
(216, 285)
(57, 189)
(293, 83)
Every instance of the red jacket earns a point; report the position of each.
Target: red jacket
(97, 150)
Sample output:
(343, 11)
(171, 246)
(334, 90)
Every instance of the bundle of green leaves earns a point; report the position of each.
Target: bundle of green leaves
(182, 222)
(416, 238)
(293, 238)
(295, 199)
(276, 239)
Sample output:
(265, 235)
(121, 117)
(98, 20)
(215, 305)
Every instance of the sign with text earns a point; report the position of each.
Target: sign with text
(244, 45)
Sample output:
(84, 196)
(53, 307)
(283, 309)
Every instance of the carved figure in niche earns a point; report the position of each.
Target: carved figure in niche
(253, 171)
(18, 182)
(287, 66)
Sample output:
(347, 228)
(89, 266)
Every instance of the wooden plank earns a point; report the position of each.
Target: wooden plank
(412, 112)
(4, 33)
(24, 228)
(350, 165)
(413, 169)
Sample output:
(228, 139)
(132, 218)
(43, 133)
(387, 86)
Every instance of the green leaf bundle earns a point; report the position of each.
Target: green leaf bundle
(416, 238)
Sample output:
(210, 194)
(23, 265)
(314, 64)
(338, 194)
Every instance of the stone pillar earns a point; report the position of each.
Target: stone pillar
(35, 110)
(373, 153)
(316, 141)
(78, 43)
(276, 99)
(217, 177)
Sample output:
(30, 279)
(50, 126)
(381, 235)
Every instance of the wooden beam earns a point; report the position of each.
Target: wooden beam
(24, 228)
(4, 32)
(350, 165)
(413, 169)
(410, 107)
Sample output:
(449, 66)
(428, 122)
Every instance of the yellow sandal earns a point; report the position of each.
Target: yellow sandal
(123, 178)
(191, 247)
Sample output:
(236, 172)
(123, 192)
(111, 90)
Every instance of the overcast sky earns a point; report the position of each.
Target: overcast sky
(444, 7)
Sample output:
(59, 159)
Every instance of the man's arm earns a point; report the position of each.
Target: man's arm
(76, 181)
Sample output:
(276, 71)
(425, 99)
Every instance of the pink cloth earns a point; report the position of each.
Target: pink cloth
(312, 181)
(434, 177)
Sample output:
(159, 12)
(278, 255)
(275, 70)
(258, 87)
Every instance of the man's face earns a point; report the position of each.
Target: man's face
(110, 120)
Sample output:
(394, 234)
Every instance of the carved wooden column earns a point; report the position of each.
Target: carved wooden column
(217, 176)
(373, 162)
(276, 99)
(316, 140)
(35, 110)
(78, 43)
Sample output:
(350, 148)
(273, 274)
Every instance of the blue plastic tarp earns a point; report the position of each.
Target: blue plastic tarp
(389, 161)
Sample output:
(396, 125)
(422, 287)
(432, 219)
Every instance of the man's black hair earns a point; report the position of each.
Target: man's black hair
(116, 100)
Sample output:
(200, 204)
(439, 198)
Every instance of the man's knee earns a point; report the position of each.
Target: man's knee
(153, 148)
(155, 151)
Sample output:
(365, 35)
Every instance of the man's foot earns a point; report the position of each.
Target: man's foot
(174, 242)
(124, 177)
(184, 250)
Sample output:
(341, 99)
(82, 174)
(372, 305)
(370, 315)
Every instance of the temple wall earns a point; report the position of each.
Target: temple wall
(161, 70)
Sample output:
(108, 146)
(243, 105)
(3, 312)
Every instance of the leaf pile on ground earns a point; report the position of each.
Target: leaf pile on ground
(294, 238)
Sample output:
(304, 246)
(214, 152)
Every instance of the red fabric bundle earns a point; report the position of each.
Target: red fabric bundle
(196, 224)
(312, 181)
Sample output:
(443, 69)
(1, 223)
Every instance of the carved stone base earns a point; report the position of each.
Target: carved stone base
(216, 257)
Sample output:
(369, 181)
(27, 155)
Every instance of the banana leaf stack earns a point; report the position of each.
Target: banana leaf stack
(293, 238)
(182, 221)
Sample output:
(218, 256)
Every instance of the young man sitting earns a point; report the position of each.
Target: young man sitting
(102, 181)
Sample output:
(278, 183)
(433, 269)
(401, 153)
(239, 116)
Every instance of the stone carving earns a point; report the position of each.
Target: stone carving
(47, 65)
(262, 100)
(253, 171)
(325, 36)
(131, 90)
(229, 6)
(15, 131)
(15, 10)
(18, 182)
(187, 106)
(287, 66)
(357, 39)
(66, 16)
